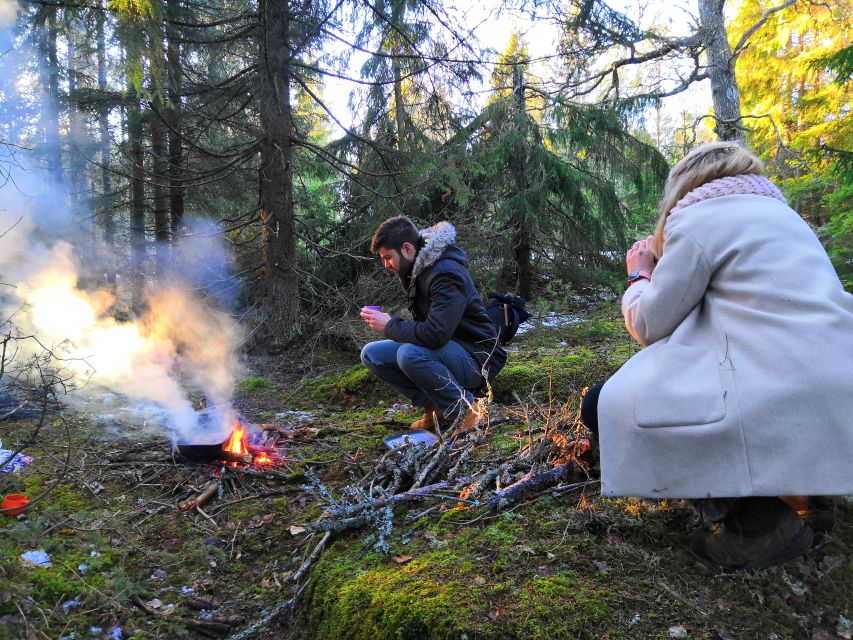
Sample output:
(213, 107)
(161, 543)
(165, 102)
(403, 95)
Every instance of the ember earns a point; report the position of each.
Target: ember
(236, 450)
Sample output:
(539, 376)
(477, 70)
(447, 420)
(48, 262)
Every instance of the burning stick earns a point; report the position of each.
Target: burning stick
(196, 501)
(242, 458)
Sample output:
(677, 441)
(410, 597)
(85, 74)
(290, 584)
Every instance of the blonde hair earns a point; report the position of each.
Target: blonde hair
(704, 164)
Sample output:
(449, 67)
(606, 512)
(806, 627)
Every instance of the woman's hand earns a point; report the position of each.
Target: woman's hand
(640, 256)
(376, 320)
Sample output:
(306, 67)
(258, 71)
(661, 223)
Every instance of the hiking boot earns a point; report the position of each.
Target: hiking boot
(735, 548)
(467, 422)
(818, 511)
(428, 420)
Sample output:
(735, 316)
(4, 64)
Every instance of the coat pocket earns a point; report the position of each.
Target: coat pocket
(682, 386)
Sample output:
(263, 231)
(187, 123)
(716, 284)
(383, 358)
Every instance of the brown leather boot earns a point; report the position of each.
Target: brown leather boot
(760, 533)
(464, 424)
(428, 420)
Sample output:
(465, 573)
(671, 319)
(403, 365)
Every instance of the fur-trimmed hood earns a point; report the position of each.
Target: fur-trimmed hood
(438, 238)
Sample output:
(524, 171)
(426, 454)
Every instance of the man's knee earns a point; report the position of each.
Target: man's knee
(368, 355)
(411, 354)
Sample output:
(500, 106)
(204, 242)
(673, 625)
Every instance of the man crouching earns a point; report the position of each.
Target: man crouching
(441, 358)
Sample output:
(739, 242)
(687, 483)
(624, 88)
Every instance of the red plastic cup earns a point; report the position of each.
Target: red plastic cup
(14, 503)
(373, 307)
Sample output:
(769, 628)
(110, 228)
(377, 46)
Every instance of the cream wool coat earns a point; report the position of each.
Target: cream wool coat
(746, 385)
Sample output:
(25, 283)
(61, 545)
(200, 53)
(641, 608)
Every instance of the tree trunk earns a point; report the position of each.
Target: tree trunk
(137, 203)
(50, 81)
(104, 134)
(521, 237)
(77, 158)
(159, 178)
(721, 72)
(175, 119)
(398, 8)
(281, 283)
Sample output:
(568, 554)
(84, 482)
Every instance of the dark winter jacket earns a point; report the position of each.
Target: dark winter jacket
(445, 304)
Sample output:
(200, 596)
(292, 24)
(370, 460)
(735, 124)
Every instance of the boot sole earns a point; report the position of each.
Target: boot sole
(798, 546)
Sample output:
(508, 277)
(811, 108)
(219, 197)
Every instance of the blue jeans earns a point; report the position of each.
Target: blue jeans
(442, 376)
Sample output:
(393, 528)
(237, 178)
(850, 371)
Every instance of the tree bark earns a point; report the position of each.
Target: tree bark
(397, 10)
(137, 203)
(521, 237)
(77, 154)
(281, 284)
(104, 133)
(721, 72)
(159, 178)
(175, 119)
(50, 81)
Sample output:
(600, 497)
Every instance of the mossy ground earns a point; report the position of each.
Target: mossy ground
(558, 567)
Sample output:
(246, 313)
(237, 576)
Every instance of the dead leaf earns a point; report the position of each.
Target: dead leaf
(494, 615)
(155, 603)
(601, 565)
(255, 522)
(265, 583)
(295, 530)
(402, 559)
(722, 634)
(269, 518)
(830, 563)
(678, 631)
(430, 535)
(480, 580)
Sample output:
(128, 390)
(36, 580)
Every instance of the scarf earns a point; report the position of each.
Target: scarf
(745, 184)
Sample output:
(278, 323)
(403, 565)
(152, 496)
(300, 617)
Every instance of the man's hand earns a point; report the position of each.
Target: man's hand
(640, 256)
(376, 320)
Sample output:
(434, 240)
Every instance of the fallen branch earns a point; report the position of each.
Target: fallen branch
(196, 501)
(379, 503)
(249, 632)
(206, 627)
(527, 485)
(315, 555)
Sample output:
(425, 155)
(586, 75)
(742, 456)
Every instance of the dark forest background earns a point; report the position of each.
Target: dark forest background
(164, 120)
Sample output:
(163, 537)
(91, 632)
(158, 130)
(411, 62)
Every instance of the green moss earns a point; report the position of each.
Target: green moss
(254, 384)
(542, 376)
(560, 606)
(371, 597)
(354, 385)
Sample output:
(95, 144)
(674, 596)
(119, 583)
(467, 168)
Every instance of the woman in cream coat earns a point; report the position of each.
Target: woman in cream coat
(745, 385)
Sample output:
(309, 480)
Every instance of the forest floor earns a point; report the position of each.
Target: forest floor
(127, 563)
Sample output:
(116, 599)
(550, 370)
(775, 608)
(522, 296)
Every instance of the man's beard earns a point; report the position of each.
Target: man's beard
(405, 266)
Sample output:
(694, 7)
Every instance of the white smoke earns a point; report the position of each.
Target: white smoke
(8, 13)
(182, 347)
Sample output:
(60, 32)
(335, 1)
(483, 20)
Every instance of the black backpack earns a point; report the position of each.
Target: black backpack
(506, 312)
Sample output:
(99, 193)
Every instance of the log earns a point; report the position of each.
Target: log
(242, 458)
(528, 485)
(207, 493)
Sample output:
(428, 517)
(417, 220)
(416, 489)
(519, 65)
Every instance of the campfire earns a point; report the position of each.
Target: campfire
(239, 449)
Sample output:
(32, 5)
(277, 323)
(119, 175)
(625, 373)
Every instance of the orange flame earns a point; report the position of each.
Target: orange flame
(263, 458)
(237, 442)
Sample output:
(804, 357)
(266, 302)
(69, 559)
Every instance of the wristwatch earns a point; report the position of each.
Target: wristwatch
(636, 275)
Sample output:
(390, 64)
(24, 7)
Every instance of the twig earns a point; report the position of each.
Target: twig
(203, 626)
(315, 555)
(207, 493)
(275, 613)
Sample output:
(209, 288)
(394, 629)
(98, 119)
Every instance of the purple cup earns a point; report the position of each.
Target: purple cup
(373, 307)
